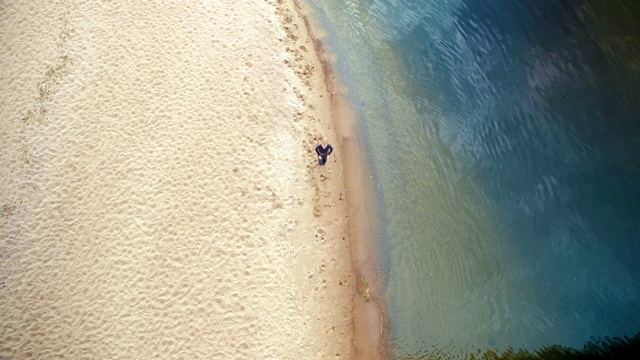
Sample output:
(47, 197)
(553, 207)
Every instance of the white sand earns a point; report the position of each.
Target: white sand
(159, 197)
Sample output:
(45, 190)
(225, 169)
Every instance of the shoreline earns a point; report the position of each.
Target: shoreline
(370, 320)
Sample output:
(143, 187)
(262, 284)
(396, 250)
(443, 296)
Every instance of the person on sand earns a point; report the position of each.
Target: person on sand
(323, 150)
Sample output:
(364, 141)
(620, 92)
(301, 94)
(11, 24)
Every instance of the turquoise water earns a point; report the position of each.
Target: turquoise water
(505, 141)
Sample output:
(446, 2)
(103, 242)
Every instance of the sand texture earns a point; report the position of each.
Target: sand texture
(159, 196)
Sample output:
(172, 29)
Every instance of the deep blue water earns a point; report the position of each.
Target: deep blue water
(505, 141)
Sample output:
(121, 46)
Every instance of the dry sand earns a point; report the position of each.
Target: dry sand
(159, 196)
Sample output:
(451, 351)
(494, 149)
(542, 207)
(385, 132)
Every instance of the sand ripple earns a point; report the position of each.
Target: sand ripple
(151, 186)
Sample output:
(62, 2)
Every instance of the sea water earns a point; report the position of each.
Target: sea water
(504, 139)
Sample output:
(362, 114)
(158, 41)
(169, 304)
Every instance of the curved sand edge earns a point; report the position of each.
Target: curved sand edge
(370, 324)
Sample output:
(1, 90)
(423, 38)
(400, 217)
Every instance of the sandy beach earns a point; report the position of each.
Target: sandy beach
(159, 194)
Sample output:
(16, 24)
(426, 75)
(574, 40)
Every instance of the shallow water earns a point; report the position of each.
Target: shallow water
(504, 141)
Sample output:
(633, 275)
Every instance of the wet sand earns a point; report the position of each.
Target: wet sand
(159, 193)
(369, 309)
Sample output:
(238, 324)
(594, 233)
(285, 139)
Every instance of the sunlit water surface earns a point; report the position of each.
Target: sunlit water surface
(505, 145)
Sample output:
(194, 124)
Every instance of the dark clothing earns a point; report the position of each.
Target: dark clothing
(323, 153)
